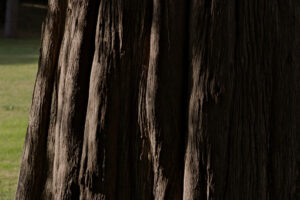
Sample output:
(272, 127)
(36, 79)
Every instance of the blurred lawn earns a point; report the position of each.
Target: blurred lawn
(18, 67)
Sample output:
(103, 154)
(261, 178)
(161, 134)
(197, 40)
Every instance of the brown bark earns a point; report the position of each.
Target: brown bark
(297, 75)
(145, 99)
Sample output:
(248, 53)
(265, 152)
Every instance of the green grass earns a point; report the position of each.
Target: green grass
(18, 67)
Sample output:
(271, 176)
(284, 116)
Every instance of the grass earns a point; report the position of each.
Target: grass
(18, 67)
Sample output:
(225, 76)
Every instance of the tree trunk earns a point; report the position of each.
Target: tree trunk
(297, 61)
(11, 18)
(164, 100)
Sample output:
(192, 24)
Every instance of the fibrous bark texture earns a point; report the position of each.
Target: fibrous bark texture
(150, 99)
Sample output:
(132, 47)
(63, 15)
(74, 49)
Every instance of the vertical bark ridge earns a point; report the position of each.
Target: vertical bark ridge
(296, 61)
(75, 63)
(194, 174)
(163, 99)
(230, 134)
(108, 165)
(48, 191)
(130, 184)
(34, 154)
(251, 109)
(99, 159)
(144, 174)
(283, 135)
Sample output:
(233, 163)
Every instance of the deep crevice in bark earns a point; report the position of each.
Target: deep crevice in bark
(164, 100)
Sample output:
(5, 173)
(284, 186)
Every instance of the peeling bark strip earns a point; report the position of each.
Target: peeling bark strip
(150, 99)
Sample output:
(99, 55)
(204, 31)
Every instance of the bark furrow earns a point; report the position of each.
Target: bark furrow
(150, 99)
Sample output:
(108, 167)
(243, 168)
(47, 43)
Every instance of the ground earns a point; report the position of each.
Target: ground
(18, 67)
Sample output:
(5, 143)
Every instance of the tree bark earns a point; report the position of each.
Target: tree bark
(11, 18)
(297, 58)
(150, 99)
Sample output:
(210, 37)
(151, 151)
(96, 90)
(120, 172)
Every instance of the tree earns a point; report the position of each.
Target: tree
(296, 55)
(145, 99)
(11, 18)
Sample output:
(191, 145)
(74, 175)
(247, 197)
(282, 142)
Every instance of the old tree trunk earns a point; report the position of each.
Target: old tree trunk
(151, 99)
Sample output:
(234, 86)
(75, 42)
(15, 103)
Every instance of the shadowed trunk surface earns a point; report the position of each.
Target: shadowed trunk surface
(150, 99)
